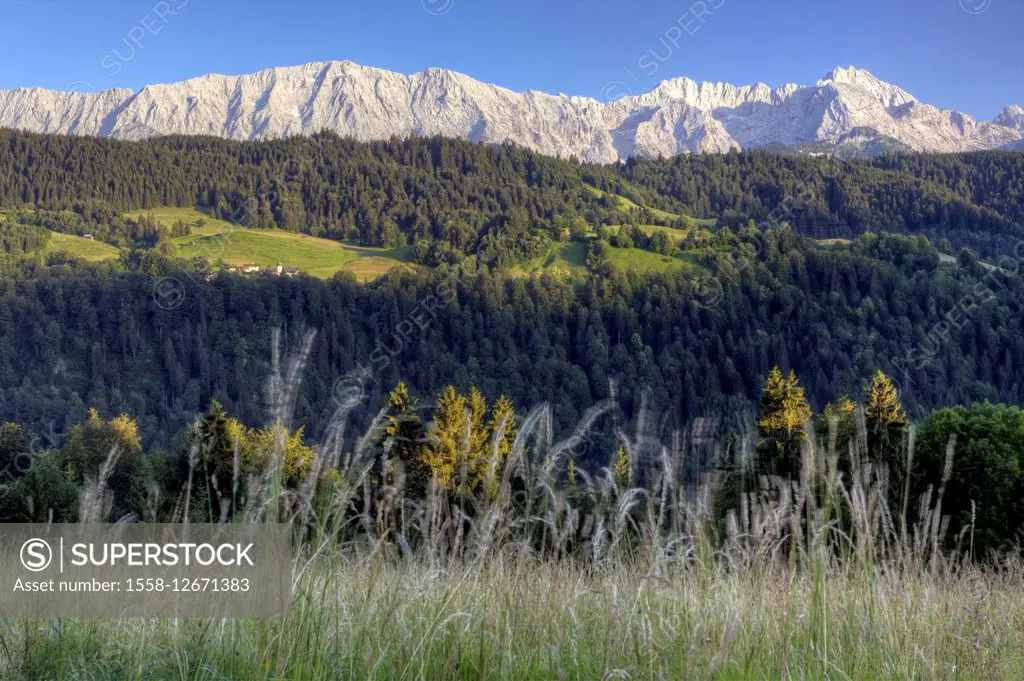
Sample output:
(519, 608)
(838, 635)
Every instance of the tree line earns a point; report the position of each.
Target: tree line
(458, 199)
(74, 336)
(968, 200)
(964, 464)
(453, 198)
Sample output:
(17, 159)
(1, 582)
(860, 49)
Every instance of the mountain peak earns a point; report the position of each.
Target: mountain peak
(866, 84)
(367, 103)
(1011, 117)
(850, 74)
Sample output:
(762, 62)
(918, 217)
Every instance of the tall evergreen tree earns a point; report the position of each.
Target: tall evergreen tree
(14, 453)
(448, 454)
(478, 428)
(838, 420)
(405, 436)
(106, 455)
(887, 424)
(222, 482)
(501, 434)
(783, 424)
(885, 420)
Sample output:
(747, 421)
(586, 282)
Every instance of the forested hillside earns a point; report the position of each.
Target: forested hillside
(748, 289)
(458, 198)
(454, 198)
(76, 336)
(972, 200)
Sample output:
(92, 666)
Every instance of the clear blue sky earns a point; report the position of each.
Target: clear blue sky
(937, 49)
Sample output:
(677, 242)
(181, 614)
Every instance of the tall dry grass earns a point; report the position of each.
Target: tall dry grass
(535, 576)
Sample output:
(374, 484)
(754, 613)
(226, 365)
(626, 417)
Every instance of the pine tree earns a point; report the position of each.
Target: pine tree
(113, 446)
(216, 441)
(839, 418)
(478, 430)
(405, 435)
(448, 450)
(501, 434)
(783, 424)
(886, 424)
(883, 413)
(219, 444)
(504, 426)
(14, 453)
(733, 482)
(274, 446)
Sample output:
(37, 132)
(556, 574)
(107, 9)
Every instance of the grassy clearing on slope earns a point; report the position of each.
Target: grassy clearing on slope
(219, 240)
(168, 215)
(76, 246)
(569, 259)
(626, 204)
(951, 259)
(648, 261)
(673, 233)
(79, 247)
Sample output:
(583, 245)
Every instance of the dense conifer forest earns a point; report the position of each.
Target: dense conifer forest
(76, 336)
(470, 198)
(687, 346)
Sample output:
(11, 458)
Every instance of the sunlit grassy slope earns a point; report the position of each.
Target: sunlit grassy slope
(79, 247)
(76, 246)
(627, 204)
(673, 233)
(219, 240)
(647, 261)
(570, 260)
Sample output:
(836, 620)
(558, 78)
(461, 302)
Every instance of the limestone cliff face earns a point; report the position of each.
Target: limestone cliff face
(1011, 117)
(678, 116)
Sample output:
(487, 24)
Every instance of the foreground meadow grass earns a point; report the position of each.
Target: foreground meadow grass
(545, 571)
(375, 620)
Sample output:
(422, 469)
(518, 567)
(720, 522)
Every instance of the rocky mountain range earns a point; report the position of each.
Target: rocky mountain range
(848, 111)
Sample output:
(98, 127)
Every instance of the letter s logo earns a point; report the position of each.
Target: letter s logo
(36, 555)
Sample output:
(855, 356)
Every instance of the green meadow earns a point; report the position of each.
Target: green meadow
(626, 204)
(80, 247)
(221, 241)
(648, 261)
(570, 261)
(218, 240)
